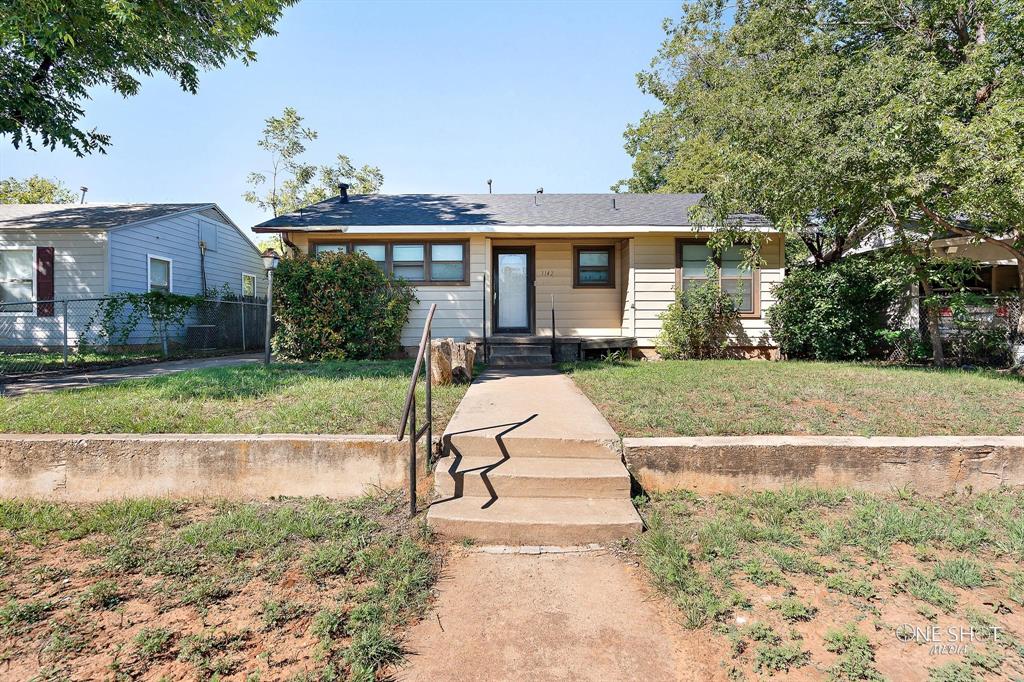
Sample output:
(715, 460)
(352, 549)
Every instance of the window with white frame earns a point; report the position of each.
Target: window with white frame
(248, 284)
(160, 274)
(17, 278)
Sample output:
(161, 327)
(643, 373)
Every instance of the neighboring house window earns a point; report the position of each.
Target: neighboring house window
(593, 266)
(160, 274)
(17, 279)
(693, 258)
(248, 285)
(421, 263)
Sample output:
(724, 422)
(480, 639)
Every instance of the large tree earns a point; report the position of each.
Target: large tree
(34, 190)
(842, 118)
(53, 52)
(291, 183)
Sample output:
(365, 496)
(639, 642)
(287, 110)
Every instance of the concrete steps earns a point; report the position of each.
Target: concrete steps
(531, 477)
(519, 355)
(536, 521)
(529, 460)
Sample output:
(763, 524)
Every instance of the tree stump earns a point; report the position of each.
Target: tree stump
(451, 362)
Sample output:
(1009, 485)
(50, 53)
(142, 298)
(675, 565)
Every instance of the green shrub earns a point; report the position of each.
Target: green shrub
(697, 324)
(338, 306)
(835, 312)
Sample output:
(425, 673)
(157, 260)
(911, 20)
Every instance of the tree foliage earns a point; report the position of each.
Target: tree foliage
(843, 119)
(53, 53)
(338, 306)
(291, 183)
(35, 190)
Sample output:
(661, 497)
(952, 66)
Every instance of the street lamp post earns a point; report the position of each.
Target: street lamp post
(270, 261)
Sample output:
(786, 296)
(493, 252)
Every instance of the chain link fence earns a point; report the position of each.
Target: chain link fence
(980, 329)
(69, 334)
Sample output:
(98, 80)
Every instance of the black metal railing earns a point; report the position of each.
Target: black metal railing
(409, 413)
(554, 349)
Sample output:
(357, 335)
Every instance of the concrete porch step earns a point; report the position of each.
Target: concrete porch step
(536, 520)
(520, 360)
(500, 442)
(519, 349)
(531, 477)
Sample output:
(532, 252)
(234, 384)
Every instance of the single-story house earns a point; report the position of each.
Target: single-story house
(594, 271)
(58, 252)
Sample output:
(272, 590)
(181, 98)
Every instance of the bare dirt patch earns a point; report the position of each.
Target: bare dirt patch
(154, 589)
(816, 584)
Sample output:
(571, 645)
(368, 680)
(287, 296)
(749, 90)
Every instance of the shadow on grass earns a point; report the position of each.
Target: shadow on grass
(256, 381)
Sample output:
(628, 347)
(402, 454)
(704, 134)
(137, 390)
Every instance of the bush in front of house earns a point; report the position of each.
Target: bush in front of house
(338, 306)
(697, 324)
(835, 312)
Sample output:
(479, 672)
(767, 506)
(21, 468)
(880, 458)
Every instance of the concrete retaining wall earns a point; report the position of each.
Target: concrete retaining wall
(930, 465)
(85, 468)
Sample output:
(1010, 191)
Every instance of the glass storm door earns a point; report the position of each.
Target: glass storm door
(512, 279)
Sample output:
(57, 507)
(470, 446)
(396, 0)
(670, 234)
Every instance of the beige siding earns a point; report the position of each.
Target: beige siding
(459, 307)
(655, 281)
(578, 312)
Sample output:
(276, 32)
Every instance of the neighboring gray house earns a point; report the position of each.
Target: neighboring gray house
(79, 251)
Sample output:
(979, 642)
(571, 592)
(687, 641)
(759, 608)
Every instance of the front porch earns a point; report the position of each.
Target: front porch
(513, 350)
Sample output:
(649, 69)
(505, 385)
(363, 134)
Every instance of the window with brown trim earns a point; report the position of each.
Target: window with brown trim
(593, 267)
(695, 261)
(419, 262)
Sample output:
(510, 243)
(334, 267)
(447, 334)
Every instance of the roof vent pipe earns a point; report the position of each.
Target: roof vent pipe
(540, 190)
(489, 181)
(613, 204)
(343, 192)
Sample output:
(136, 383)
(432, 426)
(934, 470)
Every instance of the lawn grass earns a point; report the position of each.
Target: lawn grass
(738, 397)
(13, 364)
(330, 397)
(160, 589)
(836, 581)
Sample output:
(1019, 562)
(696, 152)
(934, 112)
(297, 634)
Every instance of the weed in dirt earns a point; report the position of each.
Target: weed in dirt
(152, 642)
(791, 562)
(101, 595)
(332, 558)
(793, 610)
(14, 614)
(65, 638)
(778, 658)
(212, 653)
(955, 671)
(371, 649)
(855, 655)
(924, 587)
(989, 661)
(328, 624)
(762, 632)
(204, 591)
(275, 613)
(1017, 587)
(960, 571)
(46, 575)
(851, 585)
(762, 575)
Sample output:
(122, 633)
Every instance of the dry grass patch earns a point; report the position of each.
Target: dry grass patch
(741, 397)
(844, 585)
(153, 589)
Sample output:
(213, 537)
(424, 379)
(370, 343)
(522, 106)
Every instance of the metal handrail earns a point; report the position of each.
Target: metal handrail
(409, 413)
(554, 348)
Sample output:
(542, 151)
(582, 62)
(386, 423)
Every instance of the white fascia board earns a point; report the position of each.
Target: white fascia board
(525, 230)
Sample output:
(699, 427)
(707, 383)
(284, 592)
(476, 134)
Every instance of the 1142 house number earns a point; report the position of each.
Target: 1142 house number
(546, 273)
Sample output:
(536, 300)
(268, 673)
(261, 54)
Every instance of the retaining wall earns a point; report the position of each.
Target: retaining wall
(931, 465)
(87, 468)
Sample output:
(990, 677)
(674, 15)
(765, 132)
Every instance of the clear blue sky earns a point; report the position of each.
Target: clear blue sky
(441, 96)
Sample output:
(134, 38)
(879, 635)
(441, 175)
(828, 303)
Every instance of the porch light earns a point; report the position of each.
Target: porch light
(270, 260)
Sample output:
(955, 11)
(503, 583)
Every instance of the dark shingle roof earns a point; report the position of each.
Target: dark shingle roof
(494, 209)
(84, 216)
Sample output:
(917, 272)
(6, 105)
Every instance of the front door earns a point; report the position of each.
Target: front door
(513, 289)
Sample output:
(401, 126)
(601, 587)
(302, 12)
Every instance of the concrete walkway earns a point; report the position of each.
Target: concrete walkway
(580, 616)
(113, 375)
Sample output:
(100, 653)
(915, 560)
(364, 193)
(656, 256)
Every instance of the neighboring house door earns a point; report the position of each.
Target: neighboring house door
(513, 279)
